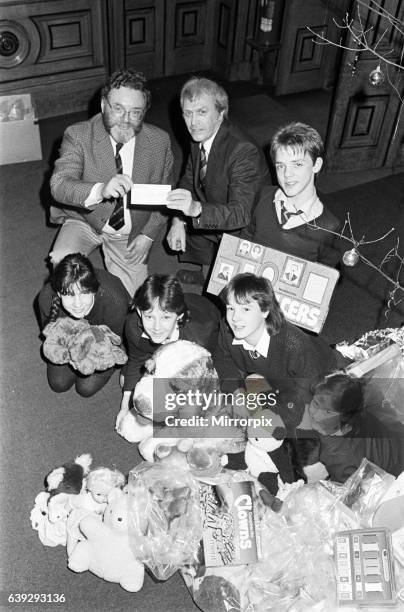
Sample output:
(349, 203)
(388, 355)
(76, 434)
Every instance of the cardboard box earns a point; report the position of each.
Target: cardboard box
(19, 132)
(230, 524)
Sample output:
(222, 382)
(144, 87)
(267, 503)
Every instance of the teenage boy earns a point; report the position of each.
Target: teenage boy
(292, 218)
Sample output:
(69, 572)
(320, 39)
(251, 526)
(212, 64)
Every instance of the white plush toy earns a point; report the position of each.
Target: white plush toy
(177, 366)
(106, 550)
(50, 533)
(183, 370)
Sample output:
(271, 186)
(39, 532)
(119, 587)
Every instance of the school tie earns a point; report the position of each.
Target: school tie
(286, 214)
(203, 164)
(116, 220)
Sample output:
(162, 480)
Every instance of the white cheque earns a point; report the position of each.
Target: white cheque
(149, 195)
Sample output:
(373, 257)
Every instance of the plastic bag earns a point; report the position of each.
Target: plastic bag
(296, 571)
(364, 489)
(164, 517)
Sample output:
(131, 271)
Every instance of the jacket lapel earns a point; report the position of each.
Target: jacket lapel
(103, 147)
(143, 157)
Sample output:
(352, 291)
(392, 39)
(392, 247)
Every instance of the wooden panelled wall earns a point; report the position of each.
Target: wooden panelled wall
(60, 51)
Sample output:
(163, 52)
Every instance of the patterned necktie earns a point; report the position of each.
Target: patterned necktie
(116, 220)
(286, 214)
(202, 165)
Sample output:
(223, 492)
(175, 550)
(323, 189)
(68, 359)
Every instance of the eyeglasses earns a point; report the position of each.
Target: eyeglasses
(134, 113)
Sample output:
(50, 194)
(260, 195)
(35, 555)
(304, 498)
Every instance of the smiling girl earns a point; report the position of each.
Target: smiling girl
(77, 291)
(161, 313)
(255, 338)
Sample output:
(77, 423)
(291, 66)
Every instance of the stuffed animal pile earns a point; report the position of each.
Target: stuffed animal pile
(185, 489)
(87, 511)
(85, 347)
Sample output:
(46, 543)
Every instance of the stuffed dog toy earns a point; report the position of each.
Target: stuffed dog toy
(180, 382)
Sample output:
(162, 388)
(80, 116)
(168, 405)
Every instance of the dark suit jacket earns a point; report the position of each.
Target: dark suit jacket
(87, 157)
(236, 171)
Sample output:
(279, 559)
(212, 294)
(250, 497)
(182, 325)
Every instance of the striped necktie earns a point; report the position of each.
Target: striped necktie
(116, 220)
(203, 164)
(286, 214)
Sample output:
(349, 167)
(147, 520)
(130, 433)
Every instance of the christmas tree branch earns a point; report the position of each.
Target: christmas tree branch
(393, 254)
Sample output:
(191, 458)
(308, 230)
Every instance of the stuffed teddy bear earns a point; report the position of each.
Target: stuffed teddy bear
(106, 550)
(96, 348)
(59, 336)
(85, 347)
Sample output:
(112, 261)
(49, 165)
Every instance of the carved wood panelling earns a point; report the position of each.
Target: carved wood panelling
(188, 31)
(144, 36)
(364, 120)
(308, 55)
(48, 43)
(67, 36)
(225, 23)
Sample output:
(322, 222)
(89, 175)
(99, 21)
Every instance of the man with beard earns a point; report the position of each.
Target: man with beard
(100, 159)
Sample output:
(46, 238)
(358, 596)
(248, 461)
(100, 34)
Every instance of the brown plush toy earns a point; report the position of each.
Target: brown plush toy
(59, 336)
(86, 347)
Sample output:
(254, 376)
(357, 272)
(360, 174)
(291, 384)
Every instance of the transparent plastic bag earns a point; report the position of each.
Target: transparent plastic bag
(164, 517)
(363, 491)
(296, 570)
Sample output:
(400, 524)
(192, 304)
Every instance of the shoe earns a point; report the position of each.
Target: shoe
(190, 277)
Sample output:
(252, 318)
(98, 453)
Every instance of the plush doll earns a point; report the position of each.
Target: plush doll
(85, 347)
(100, 482)
(105, 550)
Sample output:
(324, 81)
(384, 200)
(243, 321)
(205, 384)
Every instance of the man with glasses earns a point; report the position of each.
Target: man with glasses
(100, 159)
(223, 176)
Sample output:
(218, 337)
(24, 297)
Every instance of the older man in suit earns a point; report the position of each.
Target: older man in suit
(224, 174)
(99, 161)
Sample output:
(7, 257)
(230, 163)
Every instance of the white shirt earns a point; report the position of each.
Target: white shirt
(207, 145)
(311, 209)
(261, 347)
(127, 152)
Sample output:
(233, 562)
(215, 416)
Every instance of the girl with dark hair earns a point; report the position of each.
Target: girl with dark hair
(161, 313)
(348, 432)
(256, 339)
(76, 290)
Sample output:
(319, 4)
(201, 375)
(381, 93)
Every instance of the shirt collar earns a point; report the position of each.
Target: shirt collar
(207, 145)
(311, 209)
(126, 147)
(261, 347)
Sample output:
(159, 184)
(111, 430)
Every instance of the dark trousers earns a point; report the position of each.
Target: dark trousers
(200, 249)
(63, 377)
